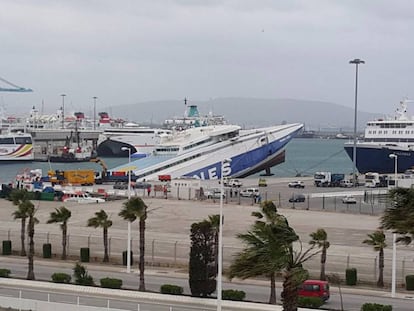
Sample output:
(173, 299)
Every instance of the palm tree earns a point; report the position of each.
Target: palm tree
(265, 252)
(132, 209)
(377, 241)
(20, 199)
(30, 232)
(102, 220)
(400, 216)
(320, 239)
(61, 215)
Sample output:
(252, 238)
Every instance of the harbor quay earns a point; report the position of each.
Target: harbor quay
(169, 221)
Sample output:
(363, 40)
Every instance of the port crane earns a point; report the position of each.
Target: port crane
(13, 87)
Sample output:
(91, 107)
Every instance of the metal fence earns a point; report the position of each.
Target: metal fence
(176, 253)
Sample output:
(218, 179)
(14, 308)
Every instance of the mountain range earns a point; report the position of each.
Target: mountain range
(250, 112)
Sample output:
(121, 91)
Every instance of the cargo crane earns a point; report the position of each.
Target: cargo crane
(15, 88)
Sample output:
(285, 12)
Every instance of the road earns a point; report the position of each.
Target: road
(257, 291)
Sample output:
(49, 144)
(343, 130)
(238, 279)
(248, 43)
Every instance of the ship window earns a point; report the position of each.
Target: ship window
(374, 132)
(369, 132)
(394, 132)
(7, 141)
(407, 132)
(400, 132)
(23, 140)
(379, 132)
(385, 132)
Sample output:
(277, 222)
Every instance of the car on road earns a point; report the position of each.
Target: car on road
(120, 185)
(250, 192)
(296, 184)
(314, 288)
(141, 185)
(297, 197)
(349, 199)
(346, 184)
(81, 198)
(214, 193)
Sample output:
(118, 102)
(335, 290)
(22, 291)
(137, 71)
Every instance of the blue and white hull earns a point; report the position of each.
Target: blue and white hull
(371, 157)
(250, 152)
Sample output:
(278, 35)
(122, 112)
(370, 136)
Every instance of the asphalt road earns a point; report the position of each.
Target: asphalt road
(257, 291)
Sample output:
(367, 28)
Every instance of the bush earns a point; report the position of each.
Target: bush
(7, 247)
(351, 276)
(5, 273)
(81, 276)
(409, 282)
(375, 307)
(61, 277)
(84, 254)
(111, 283)
(171, 289)
(310, 302)
(232, 294)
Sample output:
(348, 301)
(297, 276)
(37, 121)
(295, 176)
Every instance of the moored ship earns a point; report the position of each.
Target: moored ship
(384, 137)
(199, 152)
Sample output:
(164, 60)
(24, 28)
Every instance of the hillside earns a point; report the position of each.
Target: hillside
(249, 112)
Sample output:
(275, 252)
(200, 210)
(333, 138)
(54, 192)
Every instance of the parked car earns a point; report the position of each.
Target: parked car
(231, 182)
(249, 192)
(297, 197)
(346, 184)
(120, 185)
(214, 194)
(314, 288)
(349, 200)
(296, 184)
(262, 182)
(141, 185)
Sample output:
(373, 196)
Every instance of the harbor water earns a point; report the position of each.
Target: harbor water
(304, 157)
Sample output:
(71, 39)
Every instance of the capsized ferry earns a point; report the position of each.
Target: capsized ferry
(16, 147)
(199, 152)
(383, 137)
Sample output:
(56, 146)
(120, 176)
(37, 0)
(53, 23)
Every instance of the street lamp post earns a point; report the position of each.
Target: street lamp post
(129, 223)
(220, 240)
(94, 112)
(395, 157)
(355, 62)
(63, 110)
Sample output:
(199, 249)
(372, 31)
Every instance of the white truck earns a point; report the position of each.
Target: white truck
(372, 180)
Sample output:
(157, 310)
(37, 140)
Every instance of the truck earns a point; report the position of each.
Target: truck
(374, 180)
(328, 179)
(74, 177)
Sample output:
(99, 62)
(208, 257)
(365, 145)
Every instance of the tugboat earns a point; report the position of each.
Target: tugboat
(74, 150)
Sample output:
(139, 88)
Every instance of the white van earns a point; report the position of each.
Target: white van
(346, 184)
(249, 192)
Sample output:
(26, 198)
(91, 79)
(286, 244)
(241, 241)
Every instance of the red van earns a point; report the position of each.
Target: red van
(314, 288)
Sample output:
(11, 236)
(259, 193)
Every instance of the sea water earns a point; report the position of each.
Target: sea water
(304, 157)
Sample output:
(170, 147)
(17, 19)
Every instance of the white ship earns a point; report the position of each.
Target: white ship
(16, 147)
(198, 152)
(383, 137)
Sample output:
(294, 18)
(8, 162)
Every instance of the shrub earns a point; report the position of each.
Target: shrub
(232, 294)
(310, 302)
(61, 277)
(81, 276)
(351, 276)
(409, 282)
(5, 273)
(375, 307)
(111, 283)
(171, 289)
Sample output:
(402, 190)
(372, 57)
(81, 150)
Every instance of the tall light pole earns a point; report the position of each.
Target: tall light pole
(355, 62)
(129, 223)
(63, 110)
(94, 112)
(395, 157)
(220, 246)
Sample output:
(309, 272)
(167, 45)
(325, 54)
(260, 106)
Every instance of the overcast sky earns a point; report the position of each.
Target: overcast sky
(127, 52)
